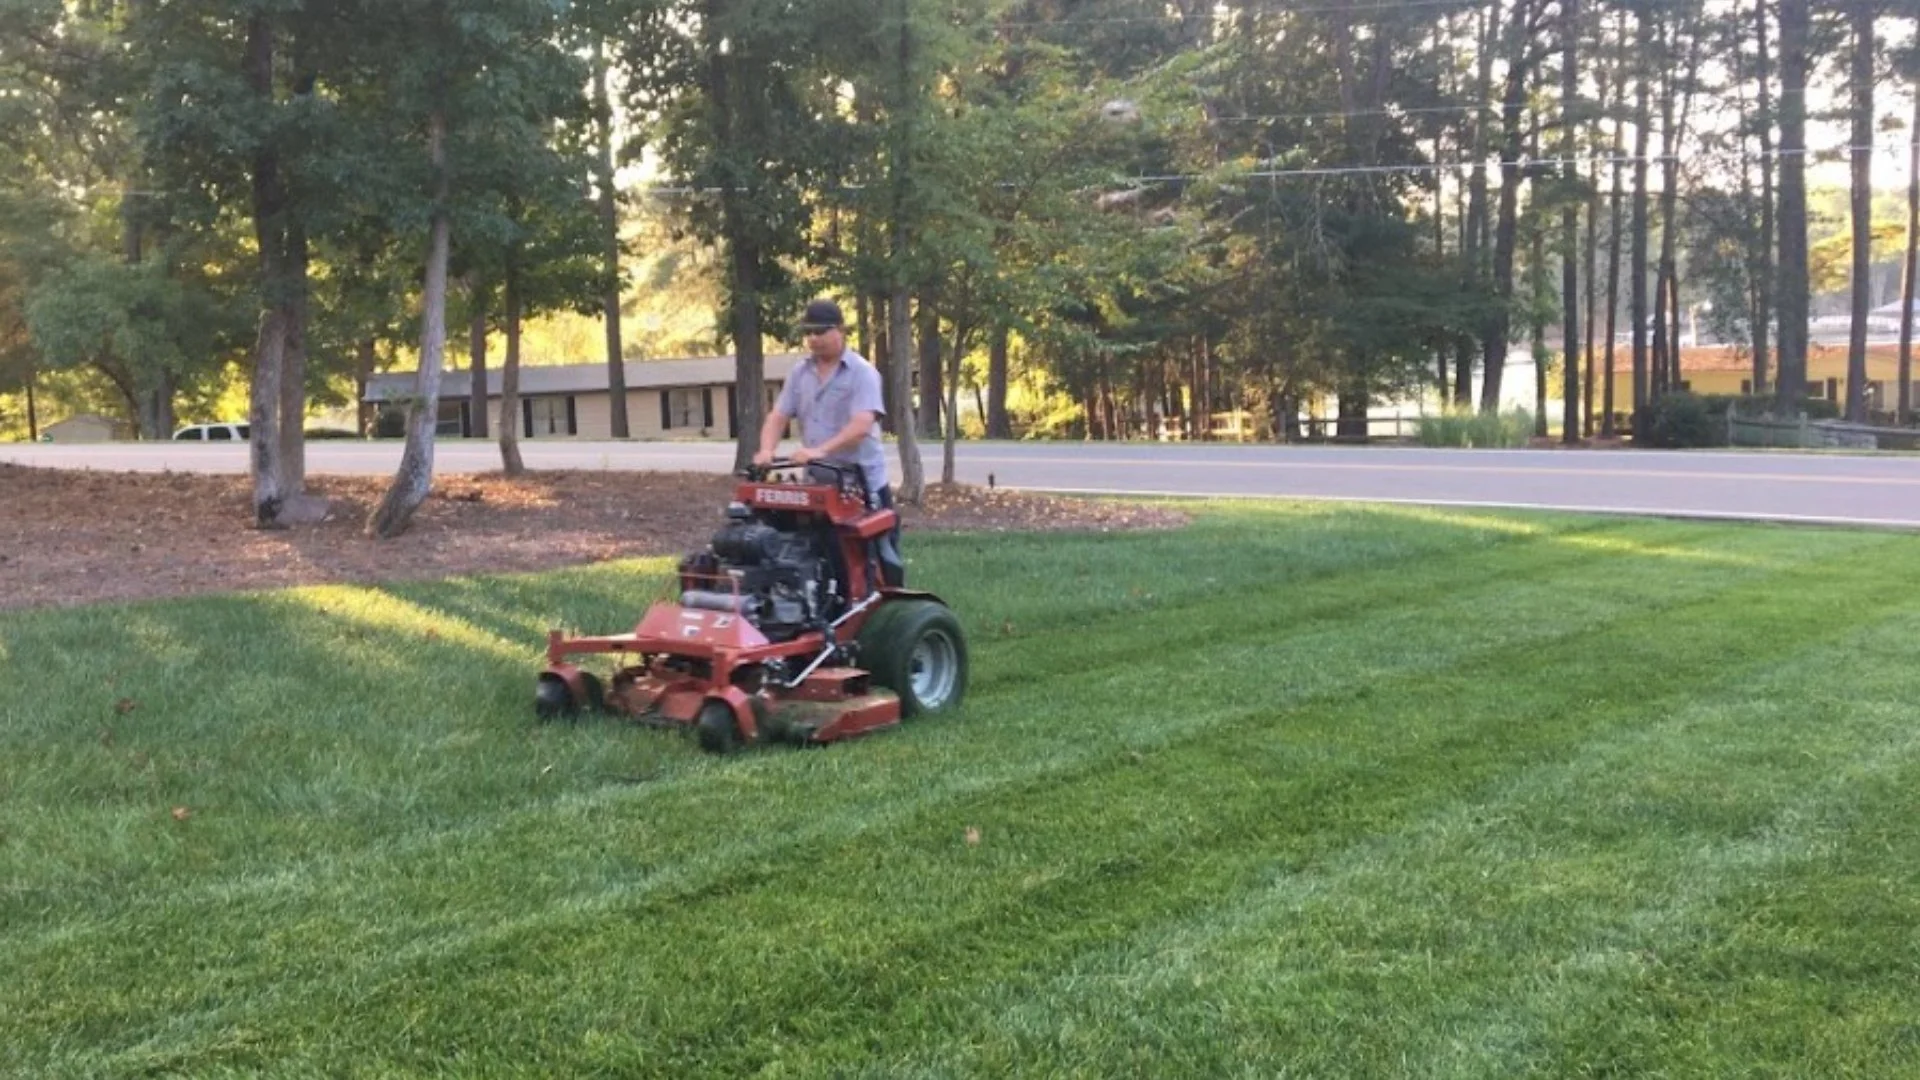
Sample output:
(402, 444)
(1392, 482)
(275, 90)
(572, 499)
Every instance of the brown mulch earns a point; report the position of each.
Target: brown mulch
(79, 537)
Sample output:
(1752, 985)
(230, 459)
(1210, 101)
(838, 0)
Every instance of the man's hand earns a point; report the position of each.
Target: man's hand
(763, 458)
(804, 455)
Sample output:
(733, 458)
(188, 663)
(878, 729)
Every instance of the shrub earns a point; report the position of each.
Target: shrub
(1467, 427)
(1680, 421)
(390, 423)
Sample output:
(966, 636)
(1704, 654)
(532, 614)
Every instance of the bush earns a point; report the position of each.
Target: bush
(1468, 427)
(390, 423)
(1682, 421)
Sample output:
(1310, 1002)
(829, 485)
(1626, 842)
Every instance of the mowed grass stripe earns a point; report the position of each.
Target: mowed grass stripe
(755, 886)
(1317, 672)
(1521, 932)
(1274, 606)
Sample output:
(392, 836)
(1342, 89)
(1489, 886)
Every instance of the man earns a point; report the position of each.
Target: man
(835, 394)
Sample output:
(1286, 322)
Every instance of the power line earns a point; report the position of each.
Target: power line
(1217, 16)
(1416, 168)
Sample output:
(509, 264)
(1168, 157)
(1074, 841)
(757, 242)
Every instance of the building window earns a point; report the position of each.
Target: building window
(547, 416)
(1817, 388)
(686, 407)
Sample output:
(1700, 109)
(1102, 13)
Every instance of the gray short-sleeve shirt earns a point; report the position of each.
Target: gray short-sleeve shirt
(825, 406)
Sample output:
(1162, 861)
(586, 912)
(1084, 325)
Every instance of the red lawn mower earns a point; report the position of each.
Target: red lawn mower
(792, 626)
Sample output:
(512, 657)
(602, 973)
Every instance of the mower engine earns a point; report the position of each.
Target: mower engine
(778, 579)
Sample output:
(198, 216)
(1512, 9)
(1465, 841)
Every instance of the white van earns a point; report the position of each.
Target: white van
(212, 433)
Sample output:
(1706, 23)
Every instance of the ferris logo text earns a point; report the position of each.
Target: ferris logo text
(780, 497)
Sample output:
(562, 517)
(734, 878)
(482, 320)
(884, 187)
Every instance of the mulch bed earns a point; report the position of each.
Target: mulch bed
(79, 537)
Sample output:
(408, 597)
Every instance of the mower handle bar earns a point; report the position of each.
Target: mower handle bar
(840, 471)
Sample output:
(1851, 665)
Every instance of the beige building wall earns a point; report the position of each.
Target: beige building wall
(80, 429)
(593, 414)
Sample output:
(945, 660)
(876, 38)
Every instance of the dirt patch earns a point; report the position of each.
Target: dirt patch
(78, 537)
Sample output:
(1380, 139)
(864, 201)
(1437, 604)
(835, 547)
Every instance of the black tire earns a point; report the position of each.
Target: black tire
(716, 729)
(915, 649)
(553, 700)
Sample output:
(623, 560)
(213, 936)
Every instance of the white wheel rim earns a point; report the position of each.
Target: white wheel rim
(933, 668)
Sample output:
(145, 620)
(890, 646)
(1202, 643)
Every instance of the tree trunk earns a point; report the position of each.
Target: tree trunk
(1592, 270)
(1473, 239)
(1763, 263)
(1570, 225)
(270, 344)
(610, 250)
(750, 362)
(293, 378)
(511, 462)
(1352, 424)
(414, 479)
(33, 410)
(999, 425)
(1637, 268)
(1908, 268)
(913, 484)
(952, 433)
(1862, 87)
(1537, 331)
(364, 357)
(1672, 135)
(927, 325)
(899, 318)
(1658, 358)
(1615, 201)
(1506, 233)
(1795, 21)
(477, 360)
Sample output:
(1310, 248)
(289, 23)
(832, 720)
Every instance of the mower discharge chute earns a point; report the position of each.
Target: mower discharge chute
(791, 626)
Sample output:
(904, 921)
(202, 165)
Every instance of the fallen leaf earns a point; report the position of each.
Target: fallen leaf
(125, 705)
(973, 836)
(181, 813)
(433, 635)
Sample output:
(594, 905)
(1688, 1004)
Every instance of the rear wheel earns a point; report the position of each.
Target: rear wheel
(716, 728)
(915, 648)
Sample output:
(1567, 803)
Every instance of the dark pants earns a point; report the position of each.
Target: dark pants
(896, 573)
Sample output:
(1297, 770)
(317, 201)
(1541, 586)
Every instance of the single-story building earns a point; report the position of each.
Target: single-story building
(1725, 369)
(83, 428)
(685, 398)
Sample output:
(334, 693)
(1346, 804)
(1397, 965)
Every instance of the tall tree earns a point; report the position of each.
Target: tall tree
(1911, 264)
(1860, 79)
(1763, 258)
(1570, 28)
(1521, 44)
(609, 204)
(1795, 29)
(1637, 267)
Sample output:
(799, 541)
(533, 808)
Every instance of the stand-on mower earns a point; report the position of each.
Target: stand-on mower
(791, 626)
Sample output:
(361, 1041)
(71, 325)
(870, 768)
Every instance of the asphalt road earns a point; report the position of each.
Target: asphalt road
(1779, 486)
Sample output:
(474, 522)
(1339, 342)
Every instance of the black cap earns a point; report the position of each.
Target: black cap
(822, 314)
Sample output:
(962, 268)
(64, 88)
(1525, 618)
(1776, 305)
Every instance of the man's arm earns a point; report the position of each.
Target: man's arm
(770, 432)
(856, 429)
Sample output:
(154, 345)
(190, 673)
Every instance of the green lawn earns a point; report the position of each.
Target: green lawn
(1305, 791)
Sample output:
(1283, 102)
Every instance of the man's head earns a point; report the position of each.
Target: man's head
(825, 330)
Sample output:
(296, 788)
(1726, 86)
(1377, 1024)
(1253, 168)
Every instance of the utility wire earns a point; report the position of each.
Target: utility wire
(1318, 172)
